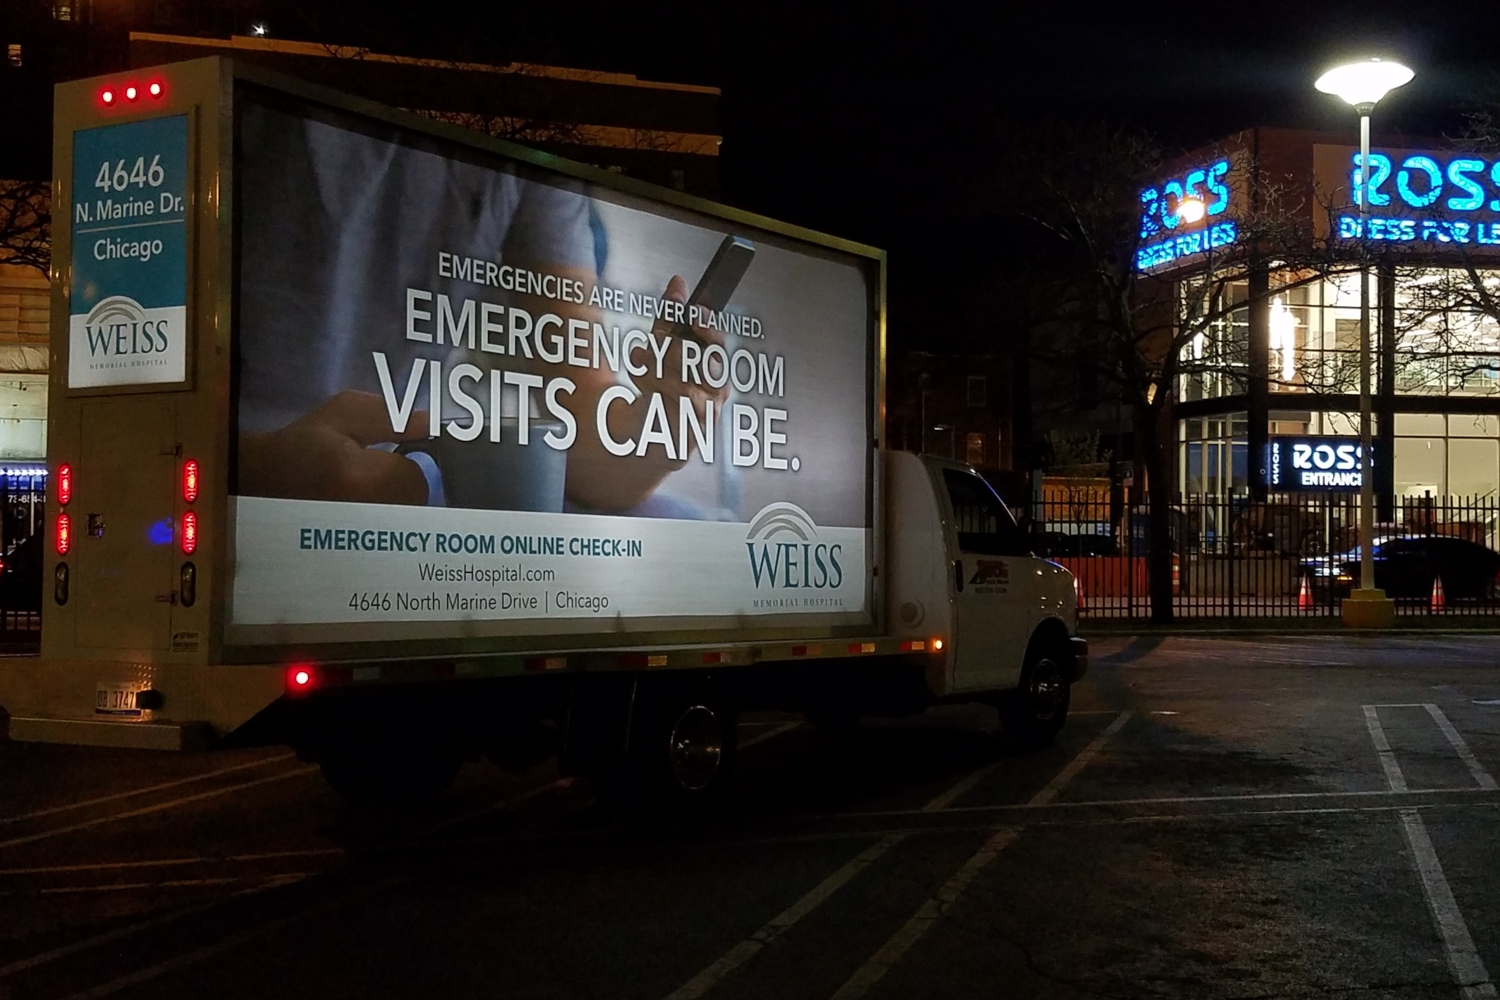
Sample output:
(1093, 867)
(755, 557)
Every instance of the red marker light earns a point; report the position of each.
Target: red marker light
(190, 480)
(131, 93)
(155, 88)
(189, 533)
(300, 678)
(64, 537)
(64, 484)
(107, 96)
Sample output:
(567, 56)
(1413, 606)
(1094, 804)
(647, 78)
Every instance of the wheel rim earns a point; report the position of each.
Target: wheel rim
(696, 748)
(1047, 690)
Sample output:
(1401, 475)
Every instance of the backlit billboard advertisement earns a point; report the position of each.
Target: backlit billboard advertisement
(488, 397)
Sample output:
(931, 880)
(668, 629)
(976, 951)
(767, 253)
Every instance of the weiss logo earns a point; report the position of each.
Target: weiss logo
(118, 327)
(785, 552)
(120, 342)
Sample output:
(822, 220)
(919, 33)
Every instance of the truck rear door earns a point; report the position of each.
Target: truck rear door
(122, 530)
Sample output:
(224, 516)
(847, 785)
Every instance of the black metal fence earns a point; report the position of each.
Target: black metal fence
(1291, 555)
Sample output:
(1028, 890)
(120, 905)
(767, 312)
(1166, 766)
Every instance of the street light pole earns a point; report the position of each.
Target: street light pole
(1363, 84)
(1367, 457)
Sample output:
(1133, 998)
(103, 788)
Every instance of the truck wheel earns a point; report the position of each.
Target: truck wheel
(680, 757)
(1035, 711)
(389, 775)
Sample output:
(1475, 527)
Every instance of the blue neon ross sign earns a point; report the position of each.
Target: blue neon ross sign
(1161, 214)
(1422, 197)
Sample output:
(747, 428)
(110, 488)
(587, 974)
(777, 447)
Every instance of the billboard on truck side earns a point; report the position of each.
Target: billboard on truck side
(472, 396)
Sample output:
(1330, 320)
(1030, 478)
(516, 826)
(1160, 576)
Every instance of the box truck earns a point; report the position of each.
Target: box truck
(400, 444)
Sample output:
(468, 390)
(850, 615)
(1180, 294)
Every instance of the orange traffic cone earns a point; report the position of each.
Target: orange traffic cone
(1305, 596)
(1437, 601)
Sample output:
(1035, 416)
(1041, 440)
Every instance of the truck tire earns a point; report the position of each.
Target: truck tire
(680, 757)
(1034, 712)
(370, 774)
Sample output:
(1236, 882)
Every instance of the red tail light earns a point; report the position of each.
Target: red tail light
(301, 678)
(189, 533)
(131, 93)
(64, 536)
(107, 96)
(64, 484)
(190, 480)
(155, 89)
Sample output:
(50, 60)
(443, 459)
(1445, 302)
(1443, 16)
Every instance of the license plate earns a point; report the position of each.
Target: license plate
(117, 700)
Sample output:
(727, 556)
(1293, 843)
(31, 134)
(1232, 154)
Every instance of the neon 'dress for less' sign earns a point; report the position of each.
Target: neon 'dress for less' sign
(127, 322)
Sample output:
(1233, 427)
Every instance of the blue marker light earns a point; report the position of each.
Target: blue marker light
(160, 533)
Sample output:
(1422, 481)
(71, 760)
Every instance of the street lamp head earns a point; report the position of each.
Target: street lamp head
(1191, 210)
(1364, 83)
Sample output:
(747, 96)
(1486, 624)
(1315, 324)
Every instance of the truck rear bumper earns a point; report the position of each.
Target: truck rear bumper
(1080, 658)
(86, 732)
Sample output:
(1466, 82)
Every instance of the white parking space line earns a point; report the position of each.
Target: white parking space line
(746, 949)
(875, 968)
(160, 806)
(1464, 963)
(143, 791)
(769, 734)
(130, 930)
(1482, 776)
(1393, 775)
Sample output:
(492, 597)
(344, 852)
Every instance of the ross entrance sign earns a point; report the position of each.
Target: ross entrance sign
(1325, 464)
(127, 322)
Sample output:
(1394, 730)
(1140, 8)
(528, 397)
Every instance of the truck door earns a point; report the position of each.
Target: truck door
(122, 529)
(995, 586)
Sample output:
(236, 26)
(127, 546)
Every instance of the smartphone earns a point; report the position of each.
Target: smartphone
(720, 278)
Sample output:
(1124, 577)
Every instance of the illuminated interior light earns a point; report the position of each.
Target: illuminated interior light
(189, 533)
(190, 480)
(131, 93)
(64, 536)
(155, 89)
(64, 484)
(1283, 338)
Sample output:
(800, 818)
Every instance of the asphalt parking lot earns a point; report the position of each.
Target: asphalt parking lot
(1222, 817)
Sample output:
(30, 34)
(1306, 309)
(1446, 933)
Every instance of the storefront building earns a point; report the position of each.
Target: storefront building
(1267, 397)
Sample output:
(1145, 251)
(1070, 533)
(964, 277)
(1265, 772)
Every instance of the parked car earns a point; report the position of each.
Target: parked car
(1406, 568)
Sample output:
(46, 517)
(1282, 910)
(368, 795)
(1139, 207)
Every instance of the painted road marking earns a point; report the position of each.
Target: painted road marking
(167, 862)
(867, 975)
(21, 965)
(1464, 962)
(771, 734)
(747, 949)
(1393, 775)
(1483, 777)
(159, 807)
(143, 791)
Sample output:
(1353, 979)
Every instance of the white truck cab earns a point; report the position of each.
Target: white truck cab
(961, 567)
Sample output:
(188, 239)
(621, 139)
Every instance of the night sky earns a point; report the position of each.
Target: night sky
(882, 122)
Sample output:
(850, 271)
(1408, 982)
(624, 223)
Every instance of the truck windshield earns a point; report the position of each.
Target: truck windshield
(980, 518)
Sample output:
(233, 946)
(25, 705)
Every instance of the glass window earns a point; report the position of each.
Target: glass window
(977, 386)
(982, 522)
(1473, 466)
(974, 447)
(1420, 466)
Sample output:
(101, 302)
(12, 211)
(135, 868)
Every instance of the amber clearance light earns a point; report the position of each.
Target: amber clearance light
(63, 539)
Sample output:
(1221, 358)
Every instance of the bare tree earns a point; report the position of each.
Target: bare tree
(1144, 333)
(26, 224)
